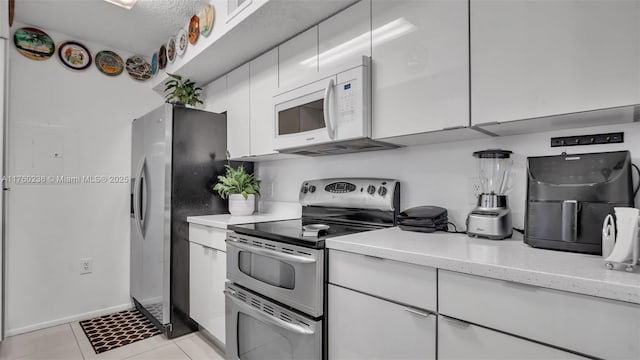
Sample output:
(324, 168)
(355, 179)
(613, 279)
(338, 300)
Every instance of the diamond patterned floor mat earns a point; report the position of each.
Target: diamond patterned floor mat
(114, 330)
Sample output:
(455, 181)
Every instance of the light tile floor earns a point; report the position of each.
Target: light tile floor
(68, 342)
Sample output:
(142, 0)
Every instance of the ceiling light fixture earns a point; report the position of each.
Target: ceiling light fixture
(127, 4)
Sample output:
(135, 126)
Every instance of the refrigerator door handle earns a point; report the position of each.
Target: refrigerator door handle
(144, 201)
(136, 197)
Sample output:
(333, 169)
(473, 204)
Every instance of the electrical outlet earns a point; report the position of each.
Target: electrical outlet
(474, 189)
(86, 266)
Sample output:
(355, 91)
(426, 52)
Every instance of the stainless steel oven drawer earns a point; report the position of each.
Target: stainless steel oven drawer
(259, 329)
(292, 275)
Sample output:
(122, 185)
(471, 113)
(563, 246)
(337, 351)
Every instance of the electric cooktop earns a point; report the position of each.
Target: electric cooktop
(291, 231)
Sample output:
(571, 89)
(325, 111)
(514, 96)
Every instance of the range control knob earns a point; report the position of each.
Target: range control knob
(371, 189)
(312, 189)
(305, 190)
(382, 191)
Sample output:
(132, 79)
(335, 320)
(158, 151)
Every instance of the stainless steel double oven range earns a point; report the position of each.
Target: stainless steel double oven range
(277, 271)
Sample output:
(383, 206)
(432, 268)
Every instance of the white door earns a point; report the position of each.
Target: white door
(264, 83)
(420, 66)
(367, 327)
(3, 116)
(238, 112)
(533, 59)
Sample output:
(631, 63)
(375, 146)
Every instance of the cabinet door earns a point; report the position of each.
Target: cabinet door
(599, 327)
(238, 113)
(420, 66)
(4, 19)
(534, 58)
(298, 58)
(264, 82)
(199, 287)
(461, 340)
(366, 327)
(345, 35)
(216, 96)
(215, 323)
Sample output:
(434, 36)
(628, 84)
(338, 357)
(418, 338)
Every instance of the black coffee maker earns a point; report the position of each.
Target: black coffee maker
(568, 197)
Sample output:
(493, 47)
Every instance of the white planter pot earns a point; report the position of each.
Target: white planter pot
(238, 206)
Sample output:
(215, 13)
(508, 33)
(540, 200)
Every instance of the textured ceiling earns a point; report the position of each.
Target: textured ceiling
(140, 30)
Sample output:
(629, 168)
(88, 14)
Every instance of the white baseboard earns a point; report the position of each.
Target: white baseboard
(68, 319)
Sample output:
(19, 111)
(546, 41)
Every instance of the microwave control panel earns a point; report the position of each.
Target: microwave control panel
(346, 100)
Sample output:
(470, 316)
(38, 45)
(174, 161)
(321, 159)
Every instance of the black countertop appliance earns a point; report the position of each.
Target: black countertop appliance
(568, 197)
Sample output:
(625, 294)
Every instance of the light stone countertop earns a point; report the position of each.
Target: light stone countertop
(510, 260)
(223, 220)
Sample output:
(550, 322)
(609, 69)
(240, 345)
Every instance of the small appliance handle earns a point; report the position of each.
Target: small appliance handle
(570, 209)
(608, 235)
(328, 121)
(268, 318)
(270, 253)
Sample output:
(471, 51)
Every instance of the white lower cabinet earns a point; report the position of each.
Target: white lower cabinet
(461, 340)
(207, 268)
(584, 324)
(367, 327)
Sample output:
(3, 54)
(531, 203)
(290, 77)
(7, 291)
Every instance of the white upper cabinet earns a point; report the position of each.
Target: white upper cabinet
(238, 112)
(4, 19)
(216, 96)
(264, 82)
(345, 35)
(538, 58)
(298, 58)
(420, 66)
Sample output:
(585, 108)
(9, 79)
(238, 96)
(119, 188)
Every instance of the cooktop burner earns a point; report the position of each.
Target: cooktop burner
(292, 231)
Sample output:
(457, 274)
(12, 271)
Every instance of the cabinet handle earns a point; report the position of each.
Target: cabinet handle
(417, 312)
(455, 321)
(488, 123)
(373, 257)
(453, 128)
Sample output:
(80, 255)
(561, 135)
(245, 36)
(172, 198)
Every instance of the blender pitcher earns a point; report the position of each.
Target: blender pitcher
(491, 217)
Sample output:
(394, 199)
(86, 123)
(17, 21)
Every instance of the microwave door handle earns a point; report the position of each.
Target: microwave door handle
(270, 253)
(268, 318)
(328, 121)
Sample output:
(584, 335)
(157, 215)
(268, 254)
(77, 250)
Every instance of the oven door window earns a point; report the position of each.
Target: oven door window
(259, 341)
(301, 118)
(267, 270)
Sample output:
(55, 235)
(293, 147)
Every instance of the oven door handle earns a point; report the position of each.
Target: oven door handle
(268, 318)
(271, 253)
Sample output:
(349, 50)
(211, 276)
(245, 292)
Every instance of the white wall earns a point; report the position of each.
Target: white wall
(434, 174)
(86, 118)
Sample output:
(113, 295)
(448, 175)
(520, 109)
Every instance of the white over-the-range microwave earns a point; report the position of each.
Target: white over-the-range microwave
(329, 113)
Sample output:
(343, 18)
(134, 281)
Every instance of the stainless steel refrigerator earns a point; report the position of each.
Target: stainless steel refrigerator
(177, 154)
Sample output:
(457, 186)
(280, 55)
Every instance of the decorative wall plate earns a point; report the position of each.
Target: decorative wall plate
(162, 57)
(138, 68)
(182, 41)
(171, 49)
(74, 55)
(154, 63)
(194, 29)
(34, 43)
(207, 16)
(109, 63)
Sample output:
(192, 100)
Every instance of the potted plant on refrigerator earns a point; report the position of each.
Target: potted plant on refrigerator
(181, 92)
(241, 188)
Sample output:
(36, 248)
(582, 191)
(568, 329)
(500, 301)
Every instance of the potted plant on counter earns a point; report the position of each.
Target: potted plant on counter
(181, 92)
(241, 188)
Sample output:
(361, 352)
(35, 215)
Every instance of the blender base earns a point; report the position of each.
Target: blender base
(493, 224)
